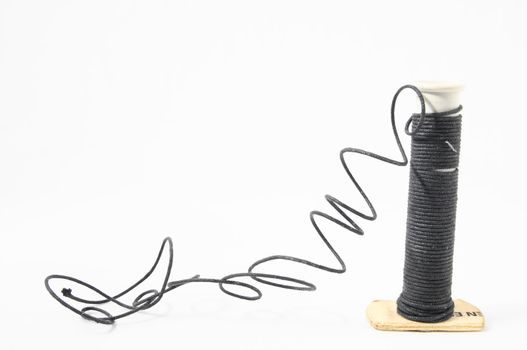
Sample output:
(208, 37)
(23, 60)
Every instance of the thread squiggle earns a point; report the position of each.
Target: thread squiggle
(149, 298)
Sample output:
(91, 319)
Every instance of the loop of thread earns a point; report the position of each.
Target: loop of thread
(149, 298)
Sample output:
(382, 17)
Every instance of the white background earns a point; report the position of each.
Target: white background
(219, 123)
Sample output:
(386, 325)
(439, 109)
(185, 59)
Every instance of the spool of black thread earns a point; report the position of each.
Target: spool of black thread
(430, 229)
(430, 233)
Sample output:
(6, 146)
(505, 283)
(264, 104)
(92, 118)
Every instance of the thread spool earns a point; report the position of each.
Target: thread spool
(432, 135)
(425, 303)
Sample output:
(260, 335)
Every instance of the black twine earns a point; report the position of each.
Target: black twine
(421, 129)
(430, 228)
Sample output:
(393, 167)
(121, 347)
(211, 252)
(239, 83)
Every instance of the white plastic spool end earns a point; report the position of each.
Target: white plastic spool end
(440, 96)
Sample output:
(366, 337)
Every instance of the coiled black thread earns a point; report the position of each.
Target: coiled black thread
(431, 220)
(149, 298)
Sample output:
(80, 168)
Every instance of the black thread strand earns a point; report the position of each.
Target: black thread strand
(149, 298)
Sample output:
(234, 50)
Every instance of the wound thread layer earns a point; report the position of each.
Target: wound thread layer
(431, 220)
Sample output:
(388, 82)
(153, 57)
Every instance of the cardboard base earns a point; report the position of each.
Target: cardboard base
(383, 315)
